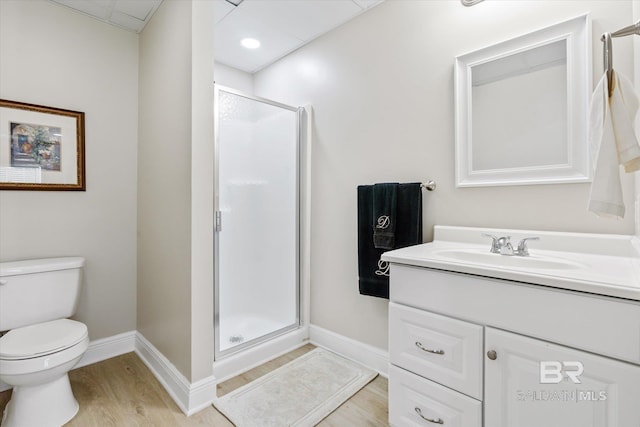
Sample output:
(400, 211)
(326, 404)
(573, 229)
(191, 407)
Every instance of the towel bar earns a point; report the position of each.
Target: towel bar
(429, 185)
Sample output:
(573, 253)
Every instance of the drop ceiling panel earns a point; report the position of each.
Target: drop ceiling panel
(301, 19)
(281, 26)
(139, 9)
(221, 8)
(131, 15)
(100, 9)
(126, 21)
(366, 4)
(237, 26)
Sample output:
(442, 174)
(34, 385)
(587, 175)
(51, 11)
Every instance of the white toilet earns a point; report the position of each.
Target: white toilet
(41, 345)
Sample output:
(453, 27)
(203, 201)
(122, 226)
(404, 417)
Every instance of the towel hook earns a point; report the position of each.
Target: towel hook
(607, 57)
(607, 51)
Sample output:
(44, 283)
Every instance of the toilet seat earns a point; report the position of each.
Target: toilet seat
(61, 361)
(41, 347)
(41, 339)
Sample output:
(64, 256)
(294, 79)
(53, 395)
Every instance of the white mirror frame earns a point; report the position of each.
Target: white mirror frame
(577, 33)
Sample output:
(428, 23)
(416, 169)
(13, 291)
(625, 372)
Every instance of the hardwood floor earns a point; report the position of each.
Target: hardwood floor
(123, 392)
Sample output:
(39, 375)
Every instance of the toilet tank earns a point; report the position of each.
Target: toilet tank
(38, 290)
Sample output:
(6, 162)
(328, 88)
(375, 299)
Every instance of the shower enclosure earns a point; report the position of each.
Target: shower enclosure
(257, 220)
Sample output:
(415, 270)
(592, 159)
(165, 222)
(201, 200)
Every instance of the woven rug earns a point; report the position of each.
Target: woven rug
(300, 393)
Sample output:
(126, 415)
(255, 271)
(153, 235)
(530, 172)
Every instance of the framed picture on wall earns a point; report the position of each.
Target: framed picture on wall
(41, 148)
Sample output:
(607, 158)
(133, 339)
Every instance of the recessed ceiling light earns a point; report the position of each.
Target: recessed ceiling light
(250, 43)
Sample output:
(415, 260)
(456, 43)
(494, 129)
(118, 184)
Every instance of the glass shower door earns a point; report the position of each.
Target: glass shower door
(256, 220)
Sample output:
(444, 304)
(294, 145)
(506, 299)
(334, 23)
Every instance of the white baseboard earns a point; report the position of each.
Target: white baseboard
(106, 348)
(368, 355)
(101, 349)
(190, 397)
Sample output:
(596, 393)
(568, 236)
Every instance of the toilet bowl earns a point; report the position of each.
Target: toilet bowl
(35, 360)
(40, 345)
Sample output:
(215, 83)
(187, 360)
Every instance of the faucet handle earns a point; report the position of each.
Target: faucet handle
(495, 247)
(522, 246)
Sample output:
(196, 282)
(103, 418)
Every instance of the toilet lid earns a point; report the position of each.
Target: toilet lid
(42, 338)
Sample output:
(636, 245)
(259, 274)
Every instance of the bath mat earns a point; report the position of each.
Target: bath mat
(300, 393)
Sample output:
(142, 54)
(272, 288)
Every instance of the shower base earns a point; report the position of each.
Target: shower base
(236, 330)
(255, 355)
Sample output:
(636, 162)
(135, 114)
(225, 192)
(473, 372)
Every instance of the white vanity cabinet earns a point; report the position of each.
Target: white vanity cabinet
(607, 394)
(471, 351)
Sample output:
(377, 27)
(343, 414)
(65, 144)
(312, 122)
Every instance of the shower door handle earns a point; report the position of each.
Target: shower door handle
(218, 221)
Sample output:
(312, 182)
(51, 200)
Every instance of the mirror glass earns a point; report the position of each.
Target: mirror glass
(521, 113)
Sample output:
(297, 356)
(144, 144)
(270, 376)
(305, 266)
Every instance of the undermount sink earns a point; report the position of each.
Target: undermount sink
(497, 260)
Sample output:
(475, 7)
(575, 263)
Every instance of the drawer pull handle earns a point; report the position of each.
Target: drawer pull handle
(436, 421)
(419, 345)
(491, 354)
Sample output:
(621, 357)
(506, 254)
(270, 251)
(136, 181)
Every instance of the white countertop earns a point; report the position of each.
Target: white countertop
(597, 263)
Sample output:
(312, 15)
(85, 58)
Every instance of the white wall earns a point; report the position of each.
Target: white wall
(164, 179)
(233, 78)
(175, 183)
(52, 56)
(382, 90)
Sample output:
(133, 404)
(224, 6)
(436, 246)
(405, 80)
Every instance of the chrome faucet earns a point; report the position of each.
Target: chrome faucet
(506, 248)
(502, 245)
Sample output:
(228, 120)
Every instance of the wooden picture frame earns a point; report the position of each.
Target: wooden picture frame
(41, 148)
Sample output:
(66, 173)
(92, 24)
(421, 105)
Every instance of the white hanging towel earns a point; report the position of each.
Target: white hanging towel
(612, 142)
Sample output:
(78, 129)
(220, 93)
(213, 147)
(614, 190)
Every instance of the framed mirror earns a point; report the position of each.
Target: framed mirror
(522, 109)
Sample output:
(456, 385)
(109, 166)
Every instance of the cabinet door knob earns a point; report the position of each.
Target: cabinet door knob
(491, 354)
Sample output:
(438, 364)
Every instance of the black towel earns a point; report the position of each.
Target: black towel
(384, 215)
(373, 273)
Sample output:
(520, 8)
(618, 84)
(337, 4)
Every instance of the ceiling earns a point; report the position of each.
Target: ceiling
(131, 15)
(281, 26)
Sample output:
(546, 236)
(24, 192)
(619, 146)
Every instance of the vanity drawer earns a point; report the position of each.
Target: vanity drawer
(442, 349)
(410, 394)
